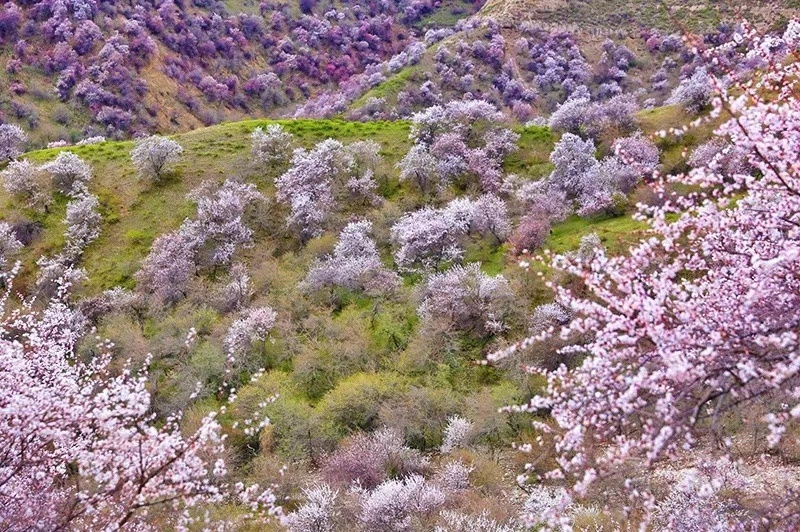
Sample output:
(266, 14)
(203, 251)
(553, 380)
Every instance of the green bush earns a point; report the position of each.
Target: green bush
(355, 403)
(338, 348)
(420, 415)
(293, 429)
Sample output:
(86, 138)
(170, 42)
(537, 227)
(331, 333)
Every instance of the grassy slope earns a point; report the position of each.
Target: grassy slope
(135, 214)
(324, 345)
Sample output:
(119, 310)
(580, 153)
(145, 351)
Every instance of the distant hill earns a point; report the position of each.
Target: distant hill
(74, 69)
(613, 16)
(528, 56)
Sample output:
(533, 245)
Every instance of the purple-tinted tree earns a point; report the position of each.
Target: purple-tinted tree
(575, 164)
(724, 157)
(370, 459)
(539, 198)
(490, 216)
(464, 115)
(570, 116)
(359, 182)
(422, 168)
(531, 233)
(428, 237)
(461, 137)
(693, 92)
(236, 291)
(308, 186)
(170, 265)
(466, 299)
(219, 225)
(640, 154)
(617, 114)
(354, 264)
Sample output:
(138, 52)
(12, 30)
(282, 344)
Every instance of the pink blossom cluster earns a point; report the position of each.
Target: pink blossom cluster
(82, 450)
(700, 320)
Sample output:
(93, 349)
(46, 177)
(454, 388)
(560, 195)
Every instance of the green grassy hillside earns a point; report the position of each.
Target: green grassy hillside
(134, 213)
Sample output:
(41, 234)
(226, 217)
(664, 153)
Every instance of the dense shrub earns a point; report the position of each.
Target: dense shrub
(355, 402)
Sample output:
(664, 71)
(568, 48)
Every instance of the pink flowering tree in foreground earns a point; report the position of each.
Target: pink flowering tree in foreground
(698, 324)
(81, 450)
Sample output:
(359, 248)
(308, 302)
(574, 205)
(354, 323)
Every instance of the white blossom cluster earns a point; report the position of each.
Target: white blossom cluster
(153, 156)
(466, 299)
(354, 264)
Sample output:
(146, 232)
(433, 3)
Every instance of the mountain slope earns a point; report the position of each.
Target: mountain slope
(607, 17)
(119, 68)
(529, 56)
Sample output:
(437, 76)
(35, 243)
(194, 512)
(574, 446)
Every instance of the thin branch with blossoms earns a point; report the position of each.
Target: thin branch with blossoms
(82, 449)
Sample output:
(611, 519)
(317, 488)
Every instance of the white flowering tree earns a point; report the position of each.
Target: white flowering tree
(166, 271)
(272, 145)
(219, 226)
(70, 173)
(252, 327)
(83, 222)
(153, 156)
(354, 264)
(26, 182)
(12, 141)
(9, 246)
(308, 186)
(428, 237)
(465, 299)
